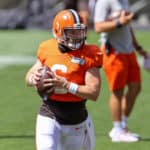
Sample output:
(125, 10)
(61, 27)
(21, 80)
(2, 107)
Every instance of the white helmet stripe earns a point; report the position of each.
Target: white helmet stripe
(76, 16)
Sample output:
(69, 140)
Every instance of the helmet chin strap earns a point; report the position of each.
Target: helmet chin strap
(63, 48)
(77, 46)
(67, 47)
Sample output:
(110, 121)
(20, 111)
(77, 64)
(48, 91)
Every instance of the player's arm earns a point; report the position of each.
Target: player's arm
(89, 91)
(32, 75)
(137, 46)
(92, 86)
(109, 25)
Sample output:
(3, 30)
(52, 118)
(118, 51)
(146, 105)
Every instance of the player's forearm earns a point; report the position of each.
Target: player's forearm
(29, 78)
(84, 91)
(88, 93)
(104, 26)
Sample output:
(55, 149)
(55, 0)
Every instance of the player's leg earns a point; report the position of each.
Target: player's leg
(89, 142)
(134, 85)
(116, 70)
(78, 136)
(134, 88)
(130, 97)
(72, 137)
(47, 133)
(128, 104)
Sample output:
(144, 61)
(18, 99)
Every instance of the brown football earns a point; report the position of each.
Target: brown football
(44, 92)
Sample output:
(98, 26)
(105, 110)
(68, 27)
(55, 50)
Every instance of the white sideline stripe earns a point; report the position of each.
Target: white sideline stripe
(27, 60)
(15, 60)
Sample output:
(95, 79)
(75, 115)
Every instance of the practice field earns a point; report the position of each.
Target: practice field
(19, 104)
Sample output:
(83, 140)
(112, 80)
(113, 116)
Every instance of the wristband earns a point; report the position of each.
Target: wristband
(139, 47)
(73, 88)
(31, 79)
(118, 24)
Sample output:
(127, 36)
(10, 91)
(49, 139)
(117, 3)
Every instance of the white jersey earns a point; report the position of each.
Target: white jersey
(121, 38)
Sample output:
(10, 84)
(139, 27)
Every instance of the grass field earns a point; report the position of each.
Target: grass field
(19, 104)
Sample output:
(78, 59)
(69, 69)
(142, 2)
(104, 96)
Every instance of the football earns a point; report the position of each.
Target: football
(44, 92)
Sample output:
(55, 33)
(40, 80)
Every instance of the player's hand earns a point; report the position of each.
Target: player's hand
(125, 17)
(57, 81)
(142, 52)
(34, 78)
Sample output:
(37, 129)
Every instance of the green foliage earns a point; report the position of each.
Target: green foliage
(20, 104)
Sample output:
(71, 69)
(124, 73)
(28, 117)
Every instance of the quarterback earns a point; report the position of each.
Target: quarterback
(63, 122)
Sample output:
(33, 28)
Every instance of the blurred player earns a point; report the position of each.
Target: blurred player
(81, 6)
(119, 62)
(63, 122)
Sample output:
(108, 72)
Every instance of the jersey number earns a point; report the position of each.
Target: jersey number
(63, 68)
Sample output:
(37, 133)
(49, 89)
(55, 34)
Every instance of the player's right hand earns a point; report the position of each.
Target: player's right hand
(35, 77)
(125, 17)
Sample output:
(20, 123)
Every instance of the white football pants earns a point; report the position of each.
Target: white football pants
(50, 135)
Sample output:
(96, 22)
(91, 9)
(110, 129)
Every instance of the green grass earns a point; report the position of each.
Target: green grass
(19, 104)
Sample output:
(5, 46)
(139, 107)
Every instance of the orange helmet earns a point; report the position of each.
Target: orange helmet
(69, 30)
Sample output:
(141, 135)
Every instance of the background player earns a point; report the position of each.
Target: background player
(119, 62)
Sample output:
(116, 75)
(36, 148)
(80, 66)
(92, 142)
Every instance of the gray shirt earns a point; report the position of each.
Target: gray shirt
(121, 38)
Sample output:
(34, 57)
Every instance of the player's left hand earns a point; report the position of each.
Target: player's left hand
(57, 81)
(142, 52)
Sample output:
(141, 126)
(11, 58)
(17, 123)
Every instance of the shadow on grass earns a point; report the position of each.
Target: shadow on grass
(104, 135)
(17, 136)
(145, 139)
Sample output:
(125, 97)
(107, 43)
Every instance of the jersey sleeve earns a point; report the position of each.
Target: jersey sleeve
(101, 10)
(41, 53)
(96, 56)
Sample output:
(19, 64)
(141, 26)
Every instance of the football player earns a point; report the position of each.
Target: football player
(119, 63)
(63, 121)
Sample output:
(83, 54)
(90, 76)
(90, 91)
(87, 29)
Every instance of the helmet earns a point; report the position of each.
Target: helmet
(69, 29)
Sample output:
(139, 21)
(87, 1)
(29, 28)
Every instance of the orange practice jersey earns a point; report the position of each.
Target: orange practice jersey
(72, 65)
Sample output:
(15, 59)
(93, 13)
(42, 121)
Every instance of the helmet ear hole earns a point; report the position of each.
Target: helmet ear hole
(56, 31)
